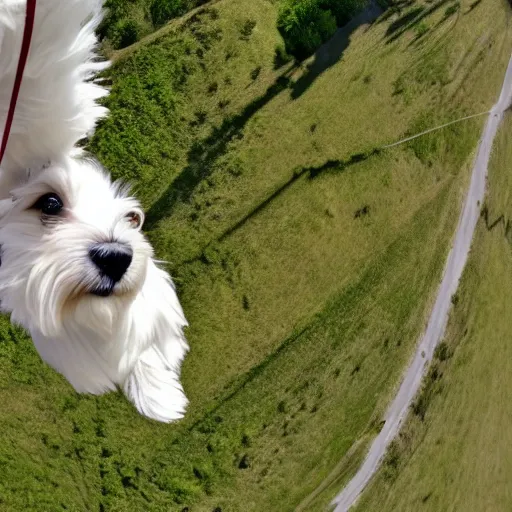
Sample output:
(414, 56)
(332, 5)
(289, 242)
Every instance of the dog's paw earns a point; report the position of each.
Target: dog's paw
(154, 388)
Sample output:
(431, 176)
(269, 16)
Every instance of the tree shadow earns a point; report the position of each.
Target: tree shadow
(402, 23)
(501, 220)
(331, 52)
(203, 423)
(203, 154)
(341, 165)
(411, 19)
(396, 8)
(491, 225)
(311, 173)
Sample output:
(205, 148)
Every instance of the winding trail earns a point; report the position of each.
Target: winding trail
(439, 317)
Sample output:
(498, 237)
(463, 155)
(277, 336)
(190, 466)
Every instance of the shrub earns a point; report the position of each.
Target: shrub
(244, 462)
(343, 10)
(442, 351)
(392, 457)
(399, 85)
(304, 26)
(247, 29)
(452, 9)
(162, 11)
(281, 57)
(115, 11)
(255, 73)
(421, 30)
(126, 21)
(420, 405)
(124, 33)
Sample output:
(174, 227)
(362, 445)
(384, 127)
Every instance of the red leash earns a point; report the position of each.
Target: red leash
(27, 36)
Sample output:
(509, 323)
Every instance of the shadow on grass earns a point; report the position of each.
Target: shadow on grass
(406, 24)
(507, 225)
(308, 172)
(202, 156)
(249, 376)
(348, 300)
(396, 8)
(331, 52)
(475, 4)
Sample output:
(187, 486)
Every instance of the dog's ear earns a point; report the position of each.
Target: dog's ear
(57, 103)
(154, 385)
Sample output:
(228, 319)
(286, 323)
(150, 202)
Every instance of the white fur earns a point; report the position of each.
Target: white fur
(133, 338)
(57, 102)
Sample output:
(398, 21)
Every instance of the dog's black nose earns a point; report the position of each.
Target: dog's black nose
(112, 258)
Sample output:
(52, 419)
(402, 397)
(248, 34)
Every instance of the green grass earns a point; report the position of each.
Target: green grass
(454, 452)
(305, 260)
(304, 24)
(128, 21)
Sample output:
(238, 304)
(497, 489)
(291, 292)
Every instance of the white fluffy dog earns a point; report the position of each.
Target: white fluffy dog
(76, 271)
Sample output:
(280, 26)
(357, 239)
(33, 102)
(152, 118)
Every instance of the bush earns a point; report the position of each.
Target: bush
(247, 29)
(304, 26)
(442, 351)
(280, 56)
(392, 460)
(124, 33)
(421, 403)
(115, 11)
(126, 21)
(144, 120)
(164, 10)
(452, 9)
(421, 30)
(343, 10)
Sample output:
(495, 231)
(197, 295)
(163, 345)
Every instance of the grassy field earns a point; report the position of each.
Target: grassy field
(305, 259)
(454, 453)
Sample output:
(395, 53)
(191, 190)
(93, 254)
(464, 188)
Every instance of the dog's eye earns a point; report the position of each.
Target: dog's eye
(49, 204)
(135, 219)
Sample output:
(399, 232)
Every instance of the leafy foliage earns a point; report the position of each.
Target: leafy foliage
(306, 24)
(142, 131)
(343, 10)
(127, 21)
(164, 10)
(124, 22)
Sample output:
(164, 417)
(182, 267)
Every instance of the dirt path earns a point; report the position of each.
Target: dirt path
(439, 316)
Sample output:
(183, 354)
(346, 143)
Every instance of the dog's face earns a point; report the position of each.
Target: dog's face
(70, 243)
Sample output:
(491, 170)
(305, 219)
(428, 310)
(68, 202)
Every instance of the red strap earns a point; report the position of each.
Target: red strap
(27, 36)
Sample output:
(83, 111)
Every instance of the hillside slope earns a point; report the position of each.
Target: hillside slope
(305, 260)
(454, 453)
